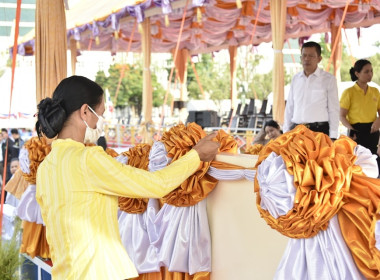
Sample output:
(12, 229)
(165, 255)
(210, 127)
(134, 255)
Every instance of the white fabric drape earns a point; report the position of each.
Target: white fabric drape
(175, 237)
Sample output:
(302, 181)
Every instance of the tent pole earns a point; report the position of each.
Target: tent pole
(336, 38)
(233, 90)
(147, 82)
(73, 52)
(278, 21)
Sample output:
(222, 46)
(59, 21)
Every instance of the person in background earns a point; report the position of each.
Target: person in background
(270, 131)
(78, 187)
(360, 107)
(11, 199)
(11, 154)
(18, 142)
(313, 97)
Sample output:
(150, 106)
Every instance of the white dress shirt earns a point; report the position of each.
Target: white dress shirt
(313, 99)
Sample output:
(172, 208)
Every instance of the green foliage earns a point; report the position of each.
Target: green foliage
(346, 62)
(9, 255)
(215, 79)
(131, 86)
(375, 61)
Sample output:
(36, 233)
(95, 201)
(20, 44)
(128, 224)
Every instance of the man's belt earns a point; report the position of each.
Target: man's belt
(315, 124)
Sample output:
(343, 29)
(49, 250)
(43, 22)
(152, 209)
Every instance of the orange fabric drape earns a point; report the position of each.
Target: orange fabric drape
(181, 67)
(38, 149)
(50, 46)
(278, 22)
(17, 184)
(138, 157)
(178, 141)
(34, 241)
(327, 182)
(336, 38)
(233, 90)
(73, 53)
(147, 81)
(34, 235)
(319, 180)
(357, 220)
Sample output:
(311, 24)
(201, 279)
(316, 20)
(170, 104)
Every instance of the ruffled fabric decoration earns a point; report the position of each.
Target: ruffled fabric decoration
(176, 236)
(28, 208)
(315, 191)
(254, 149)
(34, 241)
(178, 141)
(138, 157)
(17, 184)
(37, 149)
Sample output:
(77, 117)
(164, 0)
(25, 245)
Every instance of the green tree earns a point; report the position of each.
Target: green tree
(131, 86)
(375, 61)
(346, 62)
(213, 78)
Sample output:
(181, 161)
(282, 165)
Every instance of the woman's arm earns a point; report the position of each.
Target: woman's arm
(108, 176)
(343, 118)
(376, 124)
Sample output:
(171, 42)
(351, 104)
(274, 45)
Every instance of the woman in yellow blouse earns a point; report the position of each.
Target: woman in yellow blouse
(78, 186)
(360, 106)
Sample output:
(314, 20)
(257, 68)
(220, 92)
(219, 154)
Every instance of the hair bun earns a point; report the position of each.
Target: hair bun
(51, 117)
(352, 74)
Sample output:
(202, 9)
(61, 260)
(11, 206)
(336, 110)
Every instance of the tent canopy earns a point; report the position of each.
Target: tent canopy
(210, 25)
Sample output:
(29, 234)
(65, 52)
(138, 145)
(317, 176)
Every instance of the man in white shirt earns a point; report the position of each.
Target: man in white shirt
(313, 97)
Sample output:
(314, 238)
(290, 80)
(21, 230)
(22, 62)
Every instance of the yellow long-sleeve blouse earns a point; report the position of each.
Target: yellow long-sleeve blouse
(77, 190)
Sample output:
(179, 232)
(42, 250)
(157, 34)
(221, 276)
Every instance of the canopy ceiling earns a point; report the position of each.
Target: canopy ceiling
(210, 25)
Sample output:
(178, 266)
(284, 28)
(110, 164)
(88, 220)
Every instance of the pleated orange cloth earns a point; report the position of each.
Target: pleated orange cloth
(138, 157)
(254, 149)
(178, 141)
(17, 184)
(38, 149)
(34, 241)
(327, 182)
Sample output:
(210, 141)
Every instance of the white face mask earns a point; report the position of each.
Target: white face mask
(92, 134)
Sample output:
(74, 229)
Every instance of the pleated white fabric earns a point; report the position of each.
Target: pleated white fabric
(324, 256)
(231, 175)
(175, 237)
(135, 238)
(28, 208)
(24, 160)
(276, 186)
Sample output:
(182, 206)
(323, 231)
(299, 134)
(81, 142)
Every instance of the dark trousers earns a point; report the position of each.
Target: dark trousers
(364, 137)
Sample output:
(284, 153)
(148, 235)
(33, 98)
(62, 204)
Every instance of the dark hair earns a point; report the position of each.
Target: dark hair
(312, 44)
(272, 123)
(4, 130)
(358, 67)
(13, 159)
(14, 131)
(69, 96)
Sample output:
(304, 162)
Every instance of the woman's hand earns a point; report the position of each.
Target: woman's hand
(376, 125)
(207, 148)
